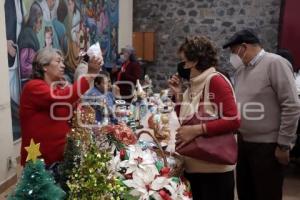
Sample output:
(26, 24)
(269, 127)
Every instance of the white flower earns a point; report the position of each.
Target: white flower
(115, 163)
(177, 190)
(138, 159)
(145, 183)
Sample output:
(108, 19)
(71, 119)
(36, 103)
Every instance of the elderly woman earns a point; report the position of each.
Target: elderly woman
(130, 72)
(42, 120)
(209, 180)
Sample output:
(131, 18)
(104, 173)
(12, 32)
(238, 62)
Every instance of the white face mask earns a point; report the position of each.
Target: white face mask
(122, 57)
(236, 61)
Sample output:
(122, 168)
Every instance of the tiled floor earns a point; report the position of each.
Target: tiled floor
(291, 184)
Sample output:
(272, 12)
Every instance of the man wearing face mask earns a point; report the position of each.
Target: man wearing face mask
(266, 93)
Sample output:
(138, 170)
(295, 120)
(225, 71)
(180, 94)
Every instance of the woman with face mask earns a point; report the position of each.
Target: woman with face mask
(209, 180)
(129, 73)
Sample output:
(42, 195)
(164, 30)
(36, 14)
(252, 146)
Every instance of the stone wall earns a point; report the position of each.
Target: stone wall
(173, 20)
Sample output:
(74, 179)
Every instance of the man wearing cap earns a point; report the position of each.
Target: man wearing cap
(269, 107)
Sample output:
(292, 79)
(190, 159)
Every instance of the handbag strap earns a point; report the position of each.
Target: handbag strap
(205, 97)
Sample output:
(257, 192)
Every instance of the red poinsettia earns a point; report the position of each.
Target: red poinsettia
(121, 132)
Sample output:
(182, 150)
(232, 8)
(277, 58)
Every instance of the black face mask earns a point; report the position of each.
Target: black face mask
(182, 72)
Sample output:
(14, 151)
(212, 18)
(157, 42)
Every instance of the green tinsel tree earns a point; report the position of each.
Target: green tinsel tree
(85, 171)
(36, 184)
(71, 159)
(92, 178)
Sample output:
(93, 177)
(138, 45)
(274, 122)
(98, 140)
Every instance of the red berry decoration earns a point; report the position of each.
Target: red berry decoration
(165, 171)
(122, 154)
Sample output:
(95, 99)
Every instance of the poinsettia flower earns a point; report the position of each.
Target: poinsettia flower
(115, 162)
(177, 190)
(145, 184)
(138, 159)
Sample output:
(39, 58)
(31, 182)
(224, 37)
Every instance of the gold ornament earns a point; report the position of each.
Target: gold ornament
(33, 151)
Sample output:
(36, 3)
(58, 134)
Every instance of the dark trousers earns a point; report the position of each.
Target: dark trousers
(212, 186)
(259, 174)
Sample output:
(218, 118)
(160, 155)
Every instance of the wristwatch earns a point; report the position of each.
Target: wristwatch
(283, 147)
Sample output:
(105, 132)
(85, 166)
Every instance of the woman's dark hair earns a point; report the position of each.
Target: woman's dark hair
(100, 78)
(35, 13)
(62, 11)
(200, 49)
(43, 58)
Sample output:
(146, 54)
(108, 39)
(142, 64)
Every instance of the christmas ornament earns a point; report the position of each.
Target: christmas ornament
(33, 151)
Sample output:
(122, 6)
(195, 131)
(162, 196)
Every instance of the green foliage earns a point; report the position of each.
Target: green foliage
(92, 179)
(36, 184)
(71, 159)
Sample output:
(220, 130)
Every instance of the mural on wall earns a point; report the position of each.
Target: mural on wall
(69, 25)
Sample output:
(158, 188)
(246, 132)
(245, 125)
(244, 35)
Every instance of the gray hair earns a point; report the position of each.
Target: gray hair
(43, 58)
(131, 51)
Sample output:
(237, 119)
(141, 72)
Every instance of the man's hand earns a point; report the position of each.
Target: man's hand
(11, 49)
(283, 156)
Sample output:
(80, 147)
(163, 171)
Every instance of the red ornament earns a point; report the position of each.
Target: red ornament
(164, 195)
(128, 176)
(122, 154)
(165, 171)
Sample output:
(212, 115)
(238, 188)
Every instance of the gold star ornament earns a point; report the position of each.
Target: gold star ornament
(33, 151)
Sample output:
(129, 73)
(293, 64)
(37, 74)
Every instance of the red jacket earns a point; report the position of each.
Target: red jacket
(36, 121)
(130, 72)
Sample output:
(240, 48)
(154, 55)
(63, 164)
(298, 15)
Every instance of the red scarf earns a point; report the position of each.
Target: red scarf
(123, 69)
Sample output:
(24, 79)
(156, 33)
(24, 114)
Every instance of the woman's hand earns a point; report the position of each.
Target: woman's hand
(94, 65)
(175, 84)
(185, 134)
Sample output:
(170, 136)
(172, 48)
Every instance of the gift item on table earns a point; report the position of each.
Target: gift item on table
(121, 112)
(140, 93)
(104, 112)
(165, 130)
(148, 85)
(164, 95)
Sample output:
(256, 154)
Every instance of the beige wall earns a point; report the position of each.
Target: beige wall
(6, 140)
(125, 23)
(7, 147)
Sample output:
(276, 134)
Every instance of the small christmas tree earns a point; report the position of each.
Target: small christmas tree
(92, 178)
(36, 183)
(86, 171)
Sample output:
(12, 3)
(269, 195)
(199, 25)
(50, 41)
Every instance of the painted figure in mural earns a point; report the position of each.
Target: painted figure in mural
(114, 43)
(28, 41)
(13, 20)
(103, 22)
(81, 36)
(59, 27)
(72, 24)
(90, 20)
(48, 8)
(48, 36)
(14, 14)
